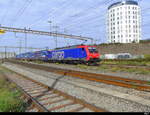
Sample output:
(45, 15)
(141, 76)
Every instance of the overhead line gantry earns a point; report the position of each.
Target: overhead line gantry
(29, 31)
(31, 48)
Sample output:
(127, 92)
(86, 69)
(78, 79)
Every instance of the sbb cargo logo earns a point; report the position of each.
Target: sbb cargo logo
(58, 55)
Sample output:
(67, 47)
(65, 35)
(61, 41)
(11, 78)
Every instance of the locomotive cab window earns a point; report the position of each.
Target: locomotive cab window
(92, 50)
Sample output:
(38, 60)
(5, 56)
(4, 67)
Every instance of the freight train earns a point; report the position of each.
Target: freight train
(81, 54)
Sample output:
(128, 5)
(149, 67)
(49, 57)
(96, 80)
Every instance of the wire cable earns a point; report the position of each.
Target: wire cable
(50, 12)
(21, 11)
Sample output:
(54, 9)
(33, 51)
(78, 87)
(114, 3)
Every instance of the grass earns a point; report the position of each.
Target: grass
(131, 70)
(9, 101)
(82, 66)
(148, 83)
(134, 87)
(136, 62)
(116, 69)
(128, 62)
(9, 96)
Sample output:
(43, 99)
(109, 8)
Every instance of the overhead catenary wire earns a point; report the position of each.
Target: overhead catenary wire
(85, 22)
(76, 20)
(79, 24)
(15, 17)
(5, 13)
(39, 20)
(83, 19)
(49, 13)
(21, 11)
(101, 2)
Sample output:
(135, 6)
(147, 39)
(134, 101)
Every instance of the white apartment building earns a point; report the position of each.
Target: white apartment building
(124, 22)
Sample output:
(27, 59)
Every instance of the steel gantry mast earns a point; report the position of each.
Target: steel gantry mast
(54, 34)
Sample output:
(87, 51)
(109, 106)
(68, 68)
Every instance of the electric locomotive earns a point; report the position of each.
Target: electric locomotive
(81, 54)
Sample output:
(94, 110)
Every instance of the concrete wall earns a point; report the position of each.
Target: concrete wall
(134, 49)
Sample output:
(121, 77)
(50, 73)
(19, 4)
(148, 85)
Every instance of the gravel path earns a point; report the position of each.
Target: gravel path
(100, 99)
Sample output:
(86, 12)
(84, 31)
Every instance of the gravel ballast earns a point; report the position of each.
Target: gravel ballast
(93, 70)
(91, 91)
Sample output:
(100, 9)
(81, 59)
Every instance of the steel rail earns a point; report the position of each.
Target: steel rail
(30, 100)
(112, 80)
(21, 81)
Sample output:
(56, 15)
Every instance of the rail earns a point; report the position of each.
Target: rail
(107, 79)
(47, 99)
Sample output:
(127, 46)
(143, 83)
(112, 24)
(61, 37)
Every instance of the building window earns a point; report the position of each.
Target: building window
(129, 21)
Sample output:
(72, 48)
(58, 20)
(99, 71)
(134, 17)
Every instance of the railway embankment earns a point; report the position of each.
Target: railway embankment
(134, 48)
(108, 97)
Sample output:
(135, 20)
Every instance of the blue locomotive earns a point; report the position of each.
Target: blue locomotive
(75, 54)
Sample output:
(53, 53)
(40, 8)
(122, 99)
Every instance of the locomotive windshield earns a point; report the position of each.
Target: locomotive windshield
(92, 50)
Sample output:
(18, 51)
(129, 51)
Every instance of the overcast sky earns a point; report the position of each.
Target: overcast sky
(78, 17)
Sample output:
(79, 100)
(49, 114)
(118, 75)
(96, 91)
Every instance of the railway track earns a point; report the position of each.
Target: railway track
(107, 79)
(45, 99)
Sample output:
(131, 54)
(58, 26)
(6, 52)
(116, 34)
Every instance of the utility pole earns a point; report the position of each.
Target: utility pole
(65, 32)
(25, 41)
(50, 23)
(5, 52)
(20, 46)
(19, 42)
(56, 31)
